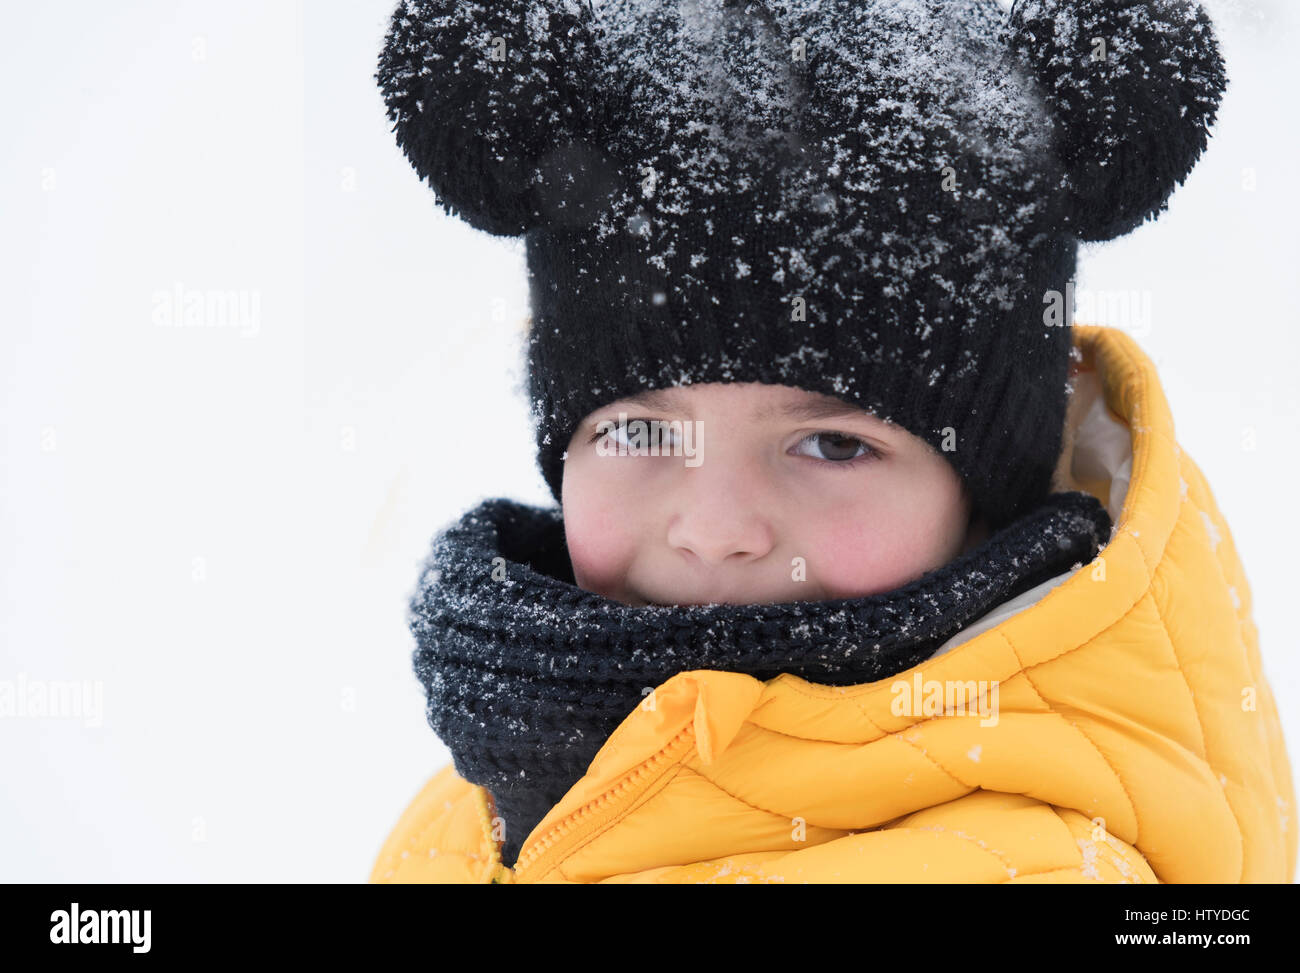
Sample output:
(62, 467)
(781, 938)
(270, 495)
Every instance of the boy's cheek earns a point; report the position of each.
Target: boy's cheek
(855, 561)
(601, 536)
(863, 558)
(599, 565)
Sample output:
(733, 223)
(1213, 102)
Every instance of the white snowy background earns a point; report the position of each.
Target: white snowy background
(220, 525)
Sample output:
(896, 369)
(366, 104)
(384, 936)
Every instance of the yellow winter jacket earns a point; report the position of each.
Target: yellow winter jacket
(1115, 725)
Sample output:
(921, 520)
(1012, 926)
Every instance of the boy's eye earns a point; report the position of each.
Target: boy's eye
(649, 435)
(835, 447)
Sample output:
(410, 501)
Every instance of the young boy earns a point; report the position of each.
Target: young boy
(867, 566)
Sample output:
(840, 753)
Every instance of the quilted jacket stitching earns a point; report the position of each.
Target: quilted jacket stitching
(1200, 725)
(1119, 620)
(921, 751)
(1071, 869)
(978, 843)
(1258, 677)
(690, 770)
(1137, 821)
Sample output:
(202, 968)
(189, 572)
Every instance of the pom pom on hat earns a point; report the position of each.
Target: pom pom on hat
(491, 102)
(1134, 86)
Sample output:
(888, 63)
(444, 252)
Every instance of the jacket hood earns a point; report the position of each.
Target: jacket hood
(1097, 459)
(1113, 725)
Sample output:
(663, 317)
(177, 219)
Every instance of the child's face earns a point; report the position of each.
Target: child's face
(779, 474)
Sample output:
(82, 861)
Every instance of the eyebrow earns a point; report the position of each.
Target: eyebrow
(818, 407)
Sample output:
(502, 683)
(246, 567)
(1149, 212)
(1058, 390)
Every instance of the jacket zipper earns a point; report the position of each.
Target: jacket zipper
(597, 809)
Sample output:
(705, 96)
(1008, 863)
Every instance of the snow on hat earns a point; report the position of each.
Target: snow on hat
(872, 199)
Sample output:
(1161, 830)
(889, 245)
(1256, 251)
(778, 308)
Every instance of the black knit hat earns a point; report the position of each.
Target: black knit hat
(872, 199)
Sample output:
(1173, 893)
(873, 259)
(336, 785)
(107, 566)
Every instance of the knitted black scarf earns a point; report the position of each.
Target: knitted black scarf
(527, 674)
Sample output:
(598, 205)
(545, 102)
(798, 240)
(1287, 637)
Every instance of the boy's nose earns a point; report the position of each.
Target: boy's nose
(717, 520)
(712, 547)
